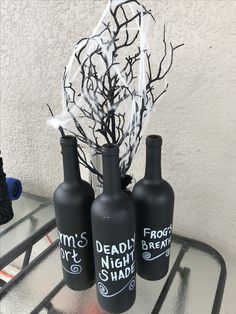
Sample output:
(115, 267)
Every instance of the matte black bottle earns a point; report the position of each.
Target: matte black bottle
(154, 202)
(72, 201)
(113, 226)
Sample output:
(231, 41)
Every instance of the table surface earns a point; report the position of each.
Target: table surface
(194, 284)
(30, 213)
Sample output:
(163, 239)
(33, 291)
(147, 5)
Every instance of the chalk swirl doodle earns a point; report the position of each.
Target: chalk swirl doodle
(105, 293)
(148, 257)
(132, 284)
(75, 269)
(102, 289)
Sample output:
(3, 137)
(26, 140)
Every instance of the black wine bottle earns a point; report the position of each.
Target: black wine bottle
(72, 201)
(154, 203)
(113, 227)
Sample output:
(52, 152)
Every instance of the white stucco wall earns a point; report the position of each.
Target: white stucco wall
(197, 117)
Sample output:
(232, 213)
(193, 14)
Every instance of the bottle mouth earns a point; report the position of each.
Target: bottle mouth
(110, 150)
(68, 140)
(154, 140)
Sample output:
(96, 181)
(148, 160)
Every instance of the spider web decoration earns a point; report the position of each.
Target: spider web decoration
(109, 86)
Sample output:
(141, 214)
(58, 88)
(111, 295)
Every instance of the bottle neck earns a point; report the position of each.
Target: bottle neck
(70, 164)
(111, 175)
(153, 163)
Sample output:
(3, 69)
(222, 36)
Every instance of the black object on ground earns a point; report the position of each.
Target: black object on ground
(6, 212)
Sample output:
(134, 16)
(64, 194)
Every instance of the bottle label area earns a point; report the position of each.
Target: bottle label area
(70, 246)
(155, 243)
(116, 264)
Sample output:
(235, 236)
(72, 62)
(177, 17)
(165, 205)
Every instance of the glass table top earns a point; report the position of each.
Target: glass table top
(30, 213)
(189, 287)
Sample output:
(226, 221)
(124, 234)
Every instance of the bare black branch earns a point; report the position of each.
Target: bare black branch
(106, 84)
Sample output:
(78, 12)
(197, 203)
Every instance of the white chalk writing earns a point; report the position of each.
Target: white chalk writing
(69, 249)
(117, 263)
(162, 245)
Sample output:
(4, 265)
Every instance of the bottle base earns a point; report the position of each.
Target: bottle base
(79, 288)
(114, 306)
(116, 311)
(152, 277)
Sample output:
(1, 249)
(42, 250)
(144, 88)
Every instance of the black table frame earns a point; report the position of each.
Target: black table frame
(26, 247)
